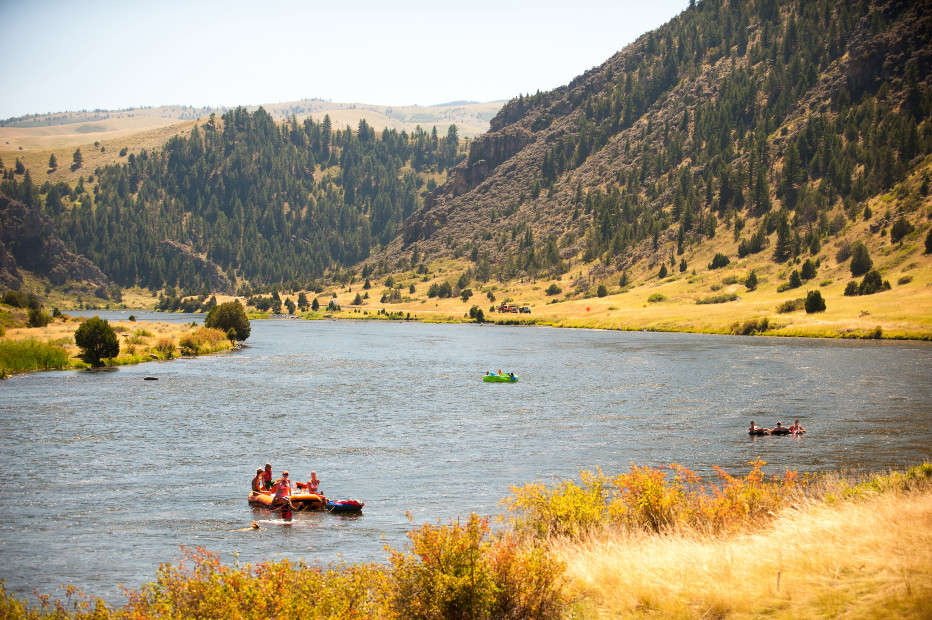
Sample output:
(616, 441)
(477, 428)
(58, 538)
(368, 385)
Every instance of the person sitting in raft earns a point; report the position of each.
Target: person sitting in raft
(779, 429)
(267, 477)
(257, 485)
(757, 430)
(283, 492)
(797, 428)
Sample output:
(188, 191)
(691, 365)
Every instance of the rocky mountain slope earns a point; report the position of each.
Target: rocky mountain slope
(725, 122)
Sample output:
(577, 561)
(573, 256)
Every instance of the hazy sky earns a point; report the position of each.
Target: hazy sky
(70, 55)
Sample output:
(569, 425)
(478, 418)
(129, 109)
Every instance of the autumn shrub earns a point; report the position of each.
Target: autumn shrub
(203, 340)
(650, 499)
(643, 499)
(460, 570)
(736, 503)
(165, 348)
(199, 586)
(567, 509)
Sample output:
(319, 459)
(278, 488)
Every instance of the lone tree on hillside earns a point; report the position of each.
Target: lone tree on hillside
(77, 159)
(229, 315)
(97, 340)
(861, 261)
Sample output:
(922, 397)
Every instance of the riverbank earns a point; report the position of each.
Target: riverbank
(711, 303)
(52, 347)
(824, 546)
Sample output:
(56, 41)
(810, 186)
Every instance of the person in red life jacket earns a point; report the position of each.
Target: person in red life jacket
(797, 428)
(267, 477)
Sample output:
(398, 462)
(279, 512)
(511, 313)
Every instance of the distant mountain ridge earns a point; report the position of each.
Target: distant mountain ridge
(59, 129)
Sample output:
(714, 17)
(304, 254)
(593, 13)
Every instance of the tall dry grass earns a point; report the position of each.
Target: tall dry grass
(863, 559)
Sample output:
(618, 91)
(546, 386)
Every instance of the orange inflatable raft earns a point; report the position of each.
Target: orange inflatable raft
(300, 501)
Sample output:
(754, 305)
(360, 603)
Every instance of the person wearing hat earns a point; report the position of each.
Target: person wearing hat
(257, 485)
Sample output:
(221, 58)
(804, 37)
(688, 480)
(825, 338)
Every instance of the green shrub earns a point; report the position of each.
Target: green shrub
(656, 297)
(751, 282)
(851, 289)
(901, 227)
(808, 271)
(791, 305)
(97, 340)
(873, 283)
(39, 317)
(752, 326)
(718, 299)
(602, 291)
(814, 302)
(227, 315)
(719, 261)
(553, 289)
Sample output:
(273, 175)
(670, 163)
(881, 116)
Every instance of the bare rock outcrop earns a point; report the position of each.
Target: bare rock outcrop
(28, 241)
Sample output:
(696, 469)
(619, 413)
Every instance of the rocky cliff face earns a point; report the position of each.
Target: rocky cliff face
(28, 241)
(217, 279)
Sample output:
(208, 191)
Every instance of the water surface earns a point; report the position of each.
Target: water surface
(108, 474)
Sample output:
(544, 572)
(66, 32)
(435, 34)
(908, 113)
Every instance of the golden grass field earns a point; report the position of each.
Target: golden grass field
(903, 312)
(140, 341)
(870, 559)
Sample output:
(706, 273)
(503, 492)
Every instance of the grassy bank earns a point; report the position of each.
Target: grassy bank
(648, 542)
(23, 349)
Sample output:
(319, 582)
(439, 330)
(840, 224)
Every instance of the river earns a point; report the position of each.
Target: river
(106, 474)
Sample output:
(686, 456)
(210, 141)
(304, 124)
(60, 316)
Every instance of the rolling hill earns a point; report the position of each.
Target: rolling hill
(773, 138)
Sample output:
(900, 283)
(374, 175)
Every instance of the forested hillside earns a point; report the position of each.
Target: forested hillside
(245, 199)
(762, 131)
(771, 123)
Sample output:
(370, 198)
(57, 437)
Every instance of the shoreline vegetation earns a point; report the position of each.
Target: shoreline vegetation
(647, 542)
(52, 347)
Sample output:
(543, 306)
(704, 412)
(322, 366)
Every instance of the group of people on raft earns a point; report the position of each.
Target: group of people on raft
(282, 489)
(779, 429)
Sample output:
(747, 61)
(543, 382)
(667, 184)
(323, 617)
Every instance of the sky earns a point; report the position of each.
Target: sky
(61, 55)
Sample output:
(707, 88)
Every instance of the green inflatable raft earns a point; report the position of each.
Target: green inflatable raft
(493, 378)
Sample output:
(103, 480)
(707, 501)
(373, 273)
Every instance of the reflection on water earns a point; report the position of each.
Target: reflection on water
(108, 474)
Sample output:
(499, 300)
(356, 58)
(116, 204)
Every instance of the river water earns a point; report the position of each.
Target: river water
(106, 475)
